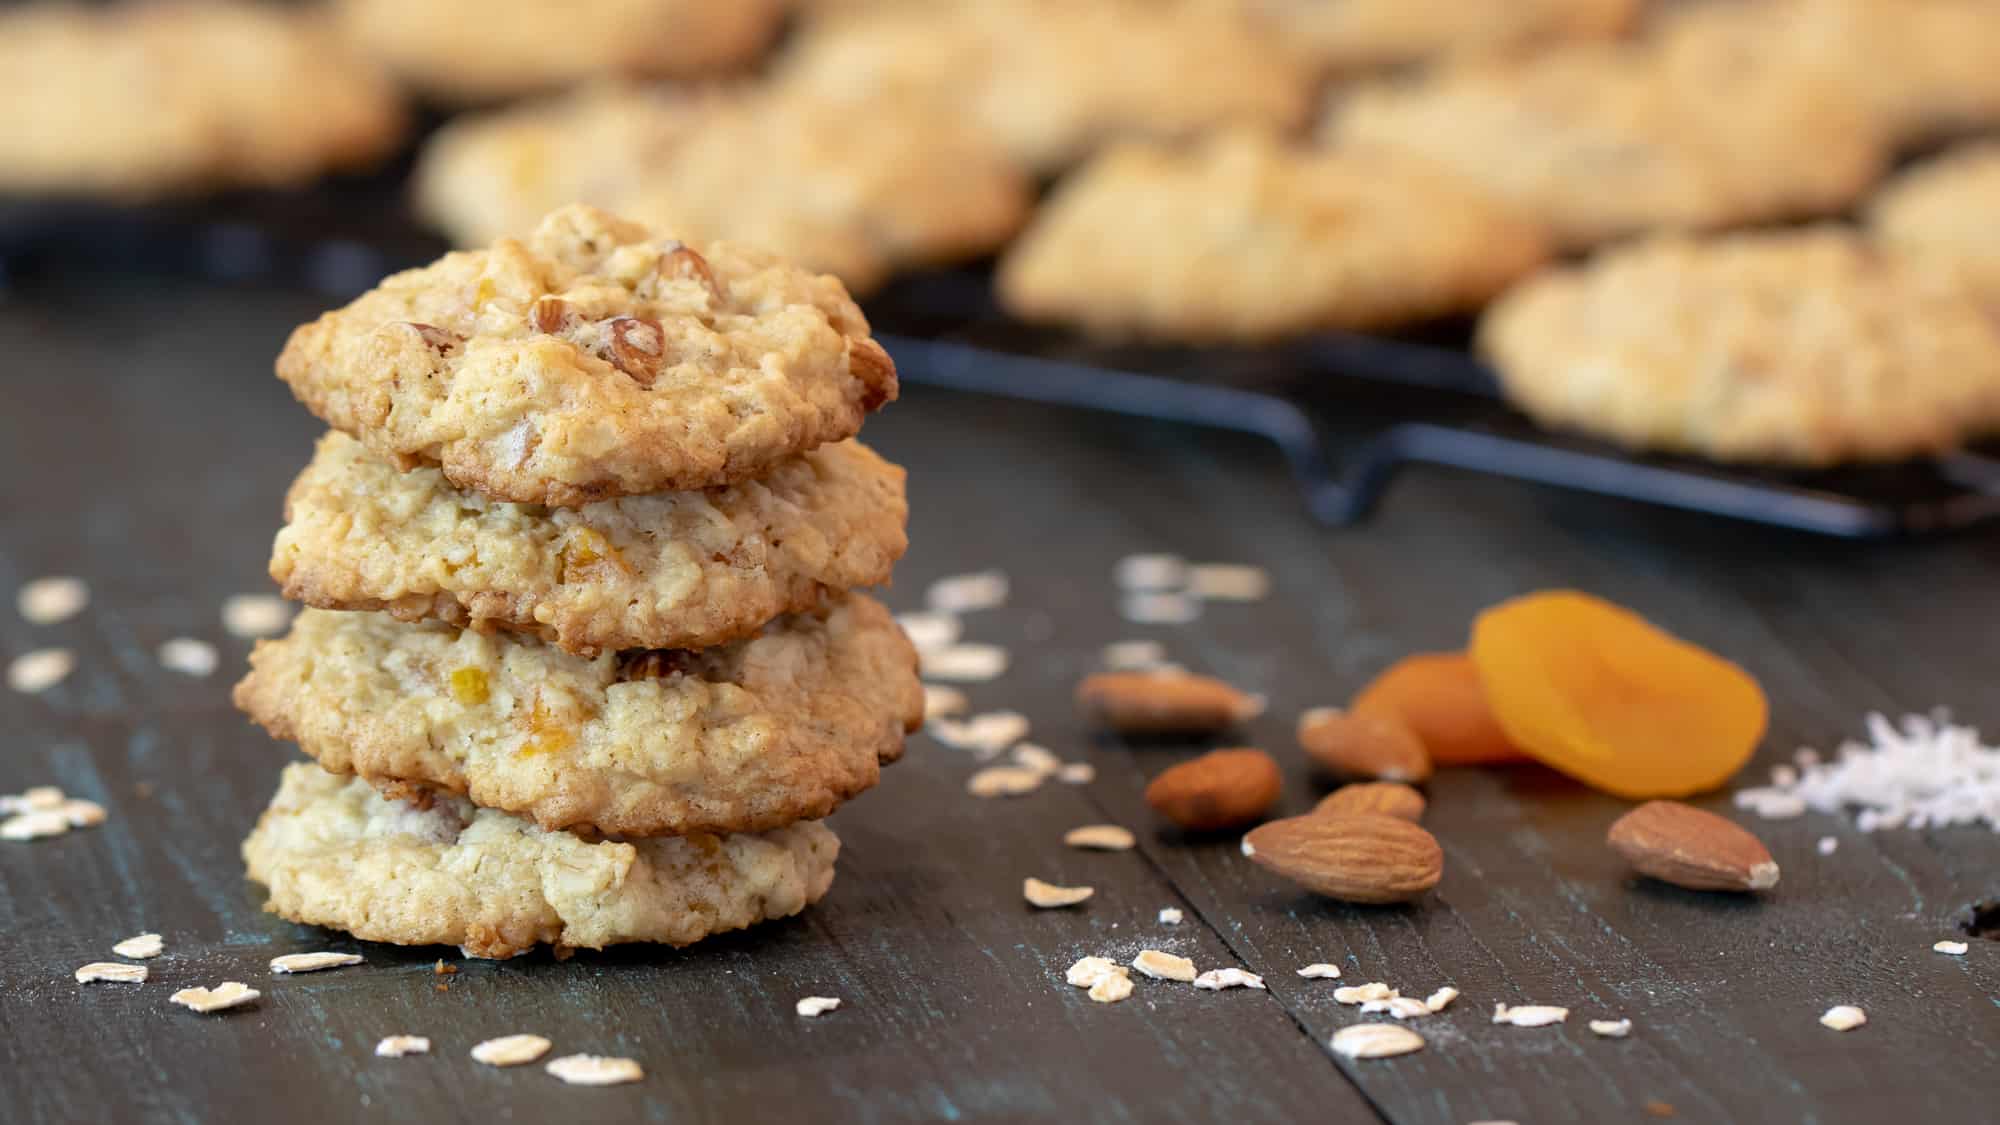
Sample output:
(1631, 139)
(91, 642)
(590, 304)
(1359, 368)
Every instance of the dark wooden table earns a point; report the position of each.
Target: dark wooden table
(144, 446)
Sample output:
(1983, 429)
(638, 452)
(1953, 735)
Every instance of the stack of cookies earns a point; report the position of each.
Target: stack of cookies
(581, 665)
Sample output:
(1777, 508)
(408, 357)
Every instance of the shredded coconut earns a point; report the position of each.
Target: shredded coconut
(1924, 772)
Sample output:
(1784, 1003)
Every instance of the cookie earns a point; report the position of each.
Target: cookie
(669, 570)
(1355, 35)
(763, 167)
(1246, 238)
(1602, 141)
(333, 852)
(1054, 79)
(483, 50)
(145, 100)
(742, 737)
(1946, 212)
(594, 359)
(1801, 347)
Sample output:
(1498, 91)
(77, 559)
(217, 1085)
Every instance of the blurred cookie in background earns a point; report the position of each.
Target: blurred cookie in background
(1946, 212)
(858, 191)
(1804, 347)
(1245, 237)
(1054, 79)
(1345, 36)
(464, 51)
(148, 100)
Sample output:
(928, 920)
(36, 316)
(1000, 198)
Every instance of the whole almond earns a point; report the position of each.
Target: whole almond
(1390, 798)
(1377, 746)
(1682, 845)
(1220, 789)
(1156, 703)
(1354, 857)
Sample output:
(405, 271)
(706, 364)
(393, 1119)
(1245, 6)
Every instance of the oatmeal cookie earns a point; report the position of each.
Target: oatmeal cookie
(484, 50)
(1800, 347)
(1247, 238)
(595, 359)
(143, 100)
(1353, 35)
(669, 570)
(335, 853)
(764, 167)
(1946, 212)
(742, 737)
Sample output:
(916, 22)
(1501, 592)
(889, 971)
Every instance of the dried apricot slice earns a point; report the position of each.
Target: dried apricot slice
(1605, 696)
(1439, 696)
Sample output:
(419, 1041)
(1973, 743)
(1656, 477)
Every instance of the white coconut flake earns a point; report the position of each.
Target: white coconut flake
(313, 962)
(941, 702)
(1134, 656)
(1101, 837)
(1161, 965)
(255, 615)
(228, 994)
(1951, 948)
(963, 664)
(1320, 970)
(141, 947)
(1529, 1015)
(1215, 980)
(968, 593)
(1049, 896)
(1229, 582)
(40, 670)
(810, 1006)
(595, 1070)
(1375, 1041)
(188, 656)
(1844, 1017)
(398, 1046)
(1922, 772)
(1611, 1029)
(1146, 608)
(510, 1050)
(1170, 916)
(985, 734)
(1150, 572)
(46, 601)
(1076, 773)
(111, 971)
(1003, 781)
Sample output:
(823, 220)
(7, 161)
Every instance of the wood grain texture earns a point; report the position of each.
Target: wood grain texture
(144, 446)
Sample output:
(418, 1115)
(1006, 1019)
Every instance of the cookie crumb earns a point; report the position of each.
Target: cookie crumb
(46, 601)
(188, 656)
(595, 1070)
(140, 947)
(1161, 965)
(444, 970)
(1101, 837)
(1048, 896)
(510, 1050)
(112, 971)
(255, 615)
(228, 994)
(1320, 970)
(817, 1005)
(40, 670)
(397, 1046)
(312, 962)
(1611, 1029)
(1376, 1041)
(1844, 1017)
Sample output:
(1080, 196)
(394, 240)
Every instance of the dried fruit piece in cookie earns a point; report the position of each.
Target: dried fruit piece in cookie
(1247, 237)
(649, 383)
(741, 737)
(669, 570)
(336, 853)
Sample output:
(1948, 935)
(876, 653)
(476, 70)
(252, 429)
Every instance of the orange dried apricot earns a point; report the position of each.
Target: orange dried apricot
(1439, 696)
(1601, 694)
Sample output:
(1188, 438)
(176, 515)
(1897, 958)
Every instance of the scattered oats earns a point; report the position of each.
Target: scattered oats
(1441, 999)
(34, 825)
(1170, 916)
(1159, 609)
(1611, 1029)
(817, 1005)
(312, 962)
(1376, 1041)
(966, 593)
(1134, 656)
(1048, 896)
(46, 601)
(111, 970)
(1844, 1017)
(1363, 993)
(985, 734)
(254, 615)
(595, 1070)
(1164, 966)
(397, 1046)
(1215, 980)
(963, 664)
(1111, 989)
(1784, 777)
(510, 1050)
(141, 947)
(1029, 756)
(228, 994)
(188, 656)
(1924, 771)
(1150, 572)
(81, 813)
(1529, 1015)
(1828, 845)
(1229, 582)
(42, 797)
(40, 670)
(1407, 1008)
(941, 701)
(1954, 948)
(1077, 773)
(1320, 970)
(1101, 837)
(930, 630)
(1003, 781)
(1089, 970)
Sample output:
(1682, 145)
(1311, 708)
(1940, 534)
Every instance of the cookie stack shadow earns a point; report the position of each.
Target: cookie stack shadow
(581, 662)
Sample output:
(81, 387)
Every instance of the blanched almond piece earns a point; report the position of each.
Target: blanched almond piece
(1221, 789)
(1152, 703)
(1389, 798)
(1353, 857)
(1381, 747)
(1685, 846)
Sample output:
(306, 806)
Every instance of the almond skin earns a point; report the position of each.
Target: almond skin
(1353, 857)
(1389, 798)
(1152, 703)
(1221, 789)
(1376, 746)
(1682, 845)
